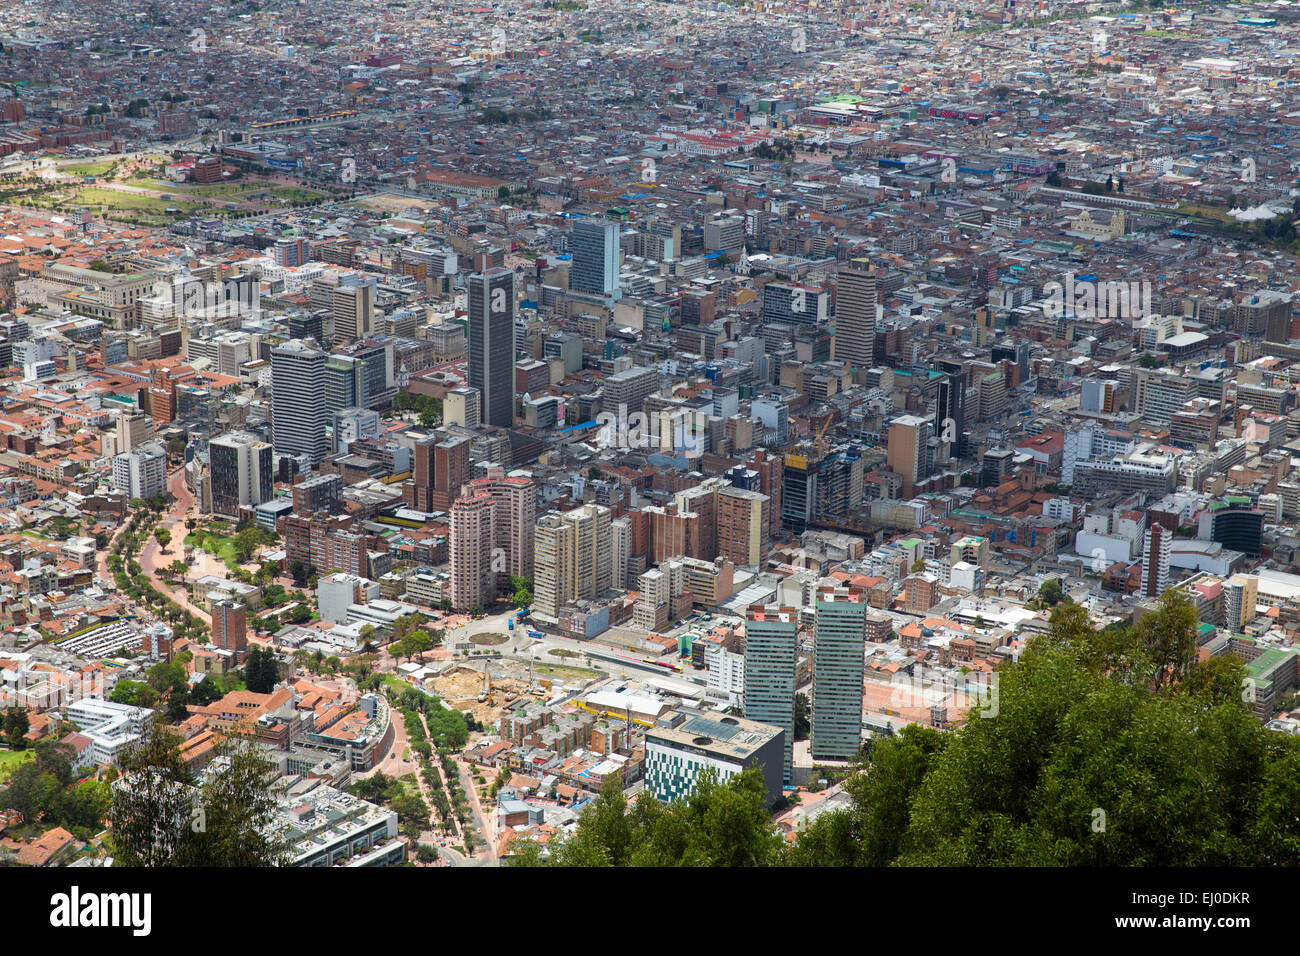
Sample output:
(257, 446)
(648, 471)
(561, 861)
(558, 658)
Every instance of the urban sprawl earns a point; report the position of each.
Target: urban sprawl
(470, 405)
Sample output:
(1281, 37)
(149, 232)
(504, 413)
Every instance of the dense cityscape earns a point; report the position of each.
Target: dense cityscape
(429, 430)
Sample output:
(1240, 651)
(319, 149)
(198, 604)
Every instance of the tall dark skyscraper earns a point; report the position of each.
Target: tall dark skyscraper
(492, 343)
(594, 245)
(951, 404)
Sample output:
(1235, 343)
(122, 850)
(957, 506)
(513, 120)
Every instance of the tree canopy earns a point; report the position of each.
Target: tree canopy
(161, 815)
(721, 825)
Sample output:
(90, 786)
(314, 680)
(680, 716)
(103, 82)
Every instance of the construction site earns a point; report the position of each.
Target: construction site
(485, 688)
(819, 480)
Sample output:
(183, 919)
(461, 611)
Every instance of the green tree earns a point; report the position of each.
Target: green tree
(720, 825)
(802, 722)
(163, 816)
(165, 676)
(872, 831)
(136, 693)
(154, 807)
(261, 670)
(1110, 748)
(15, 726)
(1050, 592)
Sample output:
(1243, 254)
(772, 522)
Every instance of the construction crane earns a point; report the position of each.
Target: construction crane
(821, 433)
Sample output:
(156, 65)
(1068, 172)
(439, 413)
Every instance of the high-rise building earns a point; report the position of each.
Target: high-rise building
(594, 245)
(1234, 524)
(356, 380)
(1241, 594)
(1157, 545)
(990, 396)
(462, 406)
(742, 526)
(320, 493)
(229, 626)
(795, 304)
(771, 650)
(839, 647)
(686, 740)
(769, 470)
(909, 451)
(132, 429)
(344, 384)
(625, 392)
(573, 557)
(298, 410)
(291, 252)
(855, 314)
(492, 343)
(514, 500)
(973, 549)
(593, 545)
(473, 580)
(242, 474)
(353, 424)
(353, 307)
(697, 306)
(724, 233)
(553, 556)
(1159, 394)
(441, 469)
(142, 471)
(799, 478)
(950, 415)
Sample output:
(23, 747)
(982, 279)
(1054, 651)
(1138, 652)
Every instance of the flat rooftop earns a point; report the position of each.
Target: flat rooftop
(731, 738)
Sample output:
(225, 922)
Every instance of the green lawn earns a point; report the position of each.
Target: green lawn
(130, 202)
(210, 191)
(89, 169)
(236, 191)
(220, 545)
(294, 194)
(397, 684)
(12, 758)
(1219, 213)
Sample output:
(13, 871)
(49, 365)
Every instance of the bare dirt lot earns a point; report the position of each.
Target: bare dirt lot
(460, 687)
